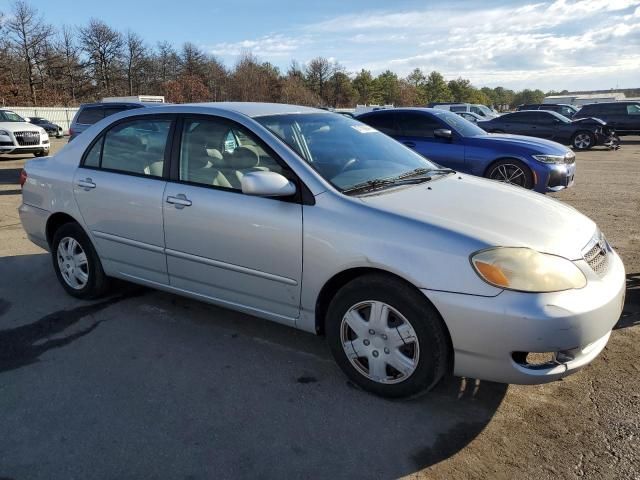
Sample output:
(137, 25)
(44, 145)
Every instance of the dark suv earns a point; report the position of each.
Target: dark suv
(624, 117)
(90, 113)
(562, 108)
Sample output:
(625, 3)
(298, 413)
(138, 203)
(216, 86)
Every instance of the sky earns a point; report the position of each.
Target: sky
(561, 44)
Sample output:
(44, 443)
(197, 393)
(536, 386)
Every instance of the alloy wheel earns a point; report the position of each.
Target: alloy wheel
(73, 264)
(379, 342)
(582, 141)
(509, 173)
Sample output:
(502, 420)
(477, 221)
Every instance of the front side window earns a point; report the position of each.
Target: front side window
(217, 152)
(135, 146)
(418, 125)
(633, 109)
(344, 151)
(460, 125)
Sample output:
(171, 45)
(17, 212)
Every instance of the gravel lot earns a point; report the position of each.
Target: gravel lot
(150, 385)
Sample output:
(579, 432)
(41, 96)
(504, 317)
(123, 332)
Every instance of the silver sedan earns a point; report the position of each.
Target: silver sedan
(317, 221)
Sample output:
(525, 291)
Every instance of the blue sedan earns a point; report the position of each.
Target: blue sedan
(454, 142)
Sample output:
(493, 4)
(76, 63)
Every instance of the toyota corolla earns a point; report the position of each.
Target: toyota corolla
(320, 222)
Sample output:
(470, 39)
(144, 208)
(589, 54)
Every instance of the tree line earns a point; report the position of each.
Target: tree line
(44, 66)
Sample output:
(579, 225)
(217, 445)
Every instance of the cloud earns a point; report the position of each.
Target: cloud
(275, 45)
(546, 44)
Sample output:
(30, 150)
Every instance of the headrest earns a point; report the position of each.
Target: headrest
(245, 157)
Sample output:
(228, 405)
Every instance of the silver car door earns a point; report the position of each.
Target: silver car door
(119, 190)
(235, 249)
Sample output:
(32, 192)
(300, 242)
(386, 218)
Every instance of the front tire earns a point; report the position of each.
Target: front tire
(386, 336)
(41, 153)
(511, 171)
(76, 263)
(583, 140)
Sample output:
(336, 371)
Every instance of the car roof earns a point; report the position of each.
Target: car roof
(249, 109)
(118, 104)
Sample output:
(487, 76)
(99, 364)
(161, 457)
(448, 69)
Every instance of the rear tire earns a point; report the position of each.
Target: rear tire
(583, 140)
(76, 263)
(511, 171)
(386, 336)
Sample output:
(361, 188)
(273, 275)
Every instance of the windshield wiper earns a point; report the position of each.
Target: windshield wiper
(378, 183)
(423, 171)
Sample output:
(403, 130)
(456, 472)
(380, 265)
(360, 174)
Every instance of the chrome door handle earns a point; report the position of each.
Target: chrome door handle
(87, 184)
(180, 200)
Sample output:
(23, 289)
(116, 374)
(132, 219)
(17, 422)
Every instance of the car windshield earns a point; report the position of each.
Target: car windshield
(347, 153)
(562, 118)
(486, 110)
(461, 125)
(8, 116)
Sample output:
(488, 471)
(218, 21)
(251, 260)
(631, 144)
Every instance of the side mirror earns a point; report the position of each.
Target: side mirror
(443, 133)
(267, 184)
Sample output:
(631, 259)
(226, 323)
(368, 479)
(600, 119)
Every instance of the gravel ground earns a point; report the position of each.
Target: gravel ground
(149, 385)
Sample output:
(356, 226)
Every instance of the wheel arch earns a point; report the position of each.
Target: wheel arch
(506, 157)
(55, 221)
(339, 280)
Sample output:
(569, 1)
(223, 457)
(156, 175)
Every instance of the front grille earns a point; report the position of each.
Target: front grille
(27, 138)
(597, 255)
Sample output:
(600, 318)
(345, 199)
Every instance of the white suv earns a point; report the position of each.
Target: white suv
(18, 136)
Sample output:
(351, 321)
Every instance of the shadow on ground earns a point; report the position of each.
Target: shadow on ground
(10, 176)
(631, 311)
(159, 385)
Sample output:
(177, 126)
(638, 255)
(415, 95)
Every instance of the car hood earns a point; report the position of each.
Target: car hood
(589, 121)
(20, 127)
(540, 145)
(492, 213)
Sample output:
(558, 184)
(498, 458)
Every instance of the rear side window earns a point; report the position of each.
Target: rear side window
(91, 115)
(417, 125)
(524, 117)
(384, 123)
(137, 146)
(462, 108)
(113, 110)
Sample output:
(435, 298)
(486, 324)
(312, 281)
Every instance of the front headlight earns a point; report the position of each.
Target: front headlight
(4, 132)
(526, 270)
(550, 158)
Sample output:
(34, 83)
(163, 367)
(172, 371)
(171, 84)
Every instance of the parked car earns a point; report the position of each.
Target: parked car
(19, 137)
(51, 128)
(476, 108)
(562, 108)
(454, 142)
(90, 113)
(581, 134)
(470, 116)
(624, 117)
(409, 270)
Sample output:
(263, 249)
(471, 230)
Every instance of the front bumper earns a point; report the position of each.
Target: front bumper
(486, 332)
(554, 177)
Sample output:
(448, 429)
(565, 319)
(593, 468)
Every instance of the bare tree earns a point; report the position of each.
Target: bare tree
(193, 61)
(103, 45)
(135, 59)
(318, 72)
(167, 62)
(69, 53)
(28, 36)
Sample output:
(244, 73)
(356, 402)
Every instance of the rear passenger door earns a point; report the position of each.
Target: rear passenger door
(234, 249)
(119, 188)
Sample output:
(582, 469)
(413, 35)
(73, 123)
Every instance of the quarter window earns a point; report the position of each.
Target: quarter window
(219, 153)
(89, 116)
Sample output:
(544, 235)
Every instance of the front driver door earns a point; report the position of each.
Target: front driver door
(416, 131)
(234, 249)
